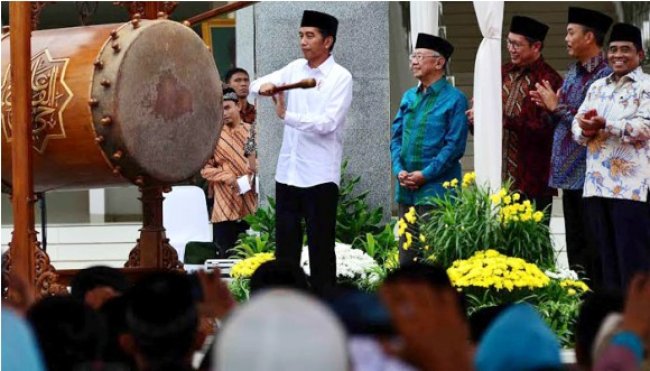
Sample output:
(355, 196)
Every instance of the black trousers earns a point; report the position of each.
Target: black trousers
(410, 255)
(317, 207)
(224, 235)
(581, 250)
(622, 231)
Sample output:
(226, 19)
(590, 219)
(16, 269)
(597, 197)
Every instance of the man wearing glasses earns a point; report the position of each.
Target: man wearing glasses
(613, 123)
(428, 134)
(585, 37)
(527, 129)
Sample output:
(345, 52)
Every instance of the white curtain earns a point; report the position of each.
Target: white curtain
(487, 95)
(424, 18)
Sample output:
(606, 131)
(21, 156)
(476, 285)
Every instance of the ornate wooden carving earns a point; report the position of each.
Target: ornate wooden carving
(46, 277)
(37, 7)
(86, 9)
(169, 257)
(147, 9)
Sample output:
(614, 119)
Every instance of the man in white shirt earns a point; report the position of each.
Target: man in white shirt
(613, 123)
(309, 165)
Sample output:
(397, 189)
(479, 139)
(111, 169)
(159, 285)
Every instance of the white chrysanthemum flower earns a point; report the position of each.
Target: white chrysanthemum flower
(562, 274)
(350, 263)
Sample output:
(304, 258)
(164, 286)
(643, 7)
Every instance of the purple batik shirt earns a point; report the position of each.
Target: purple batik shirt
(568, 160)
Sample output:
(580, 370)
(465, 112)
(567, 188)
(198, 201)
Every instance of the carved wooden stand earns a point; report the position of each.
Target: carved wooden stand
(25, 260)
(152, 249)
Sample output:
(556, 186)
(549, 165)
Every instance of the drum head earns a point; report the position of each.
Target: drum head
(166, 101)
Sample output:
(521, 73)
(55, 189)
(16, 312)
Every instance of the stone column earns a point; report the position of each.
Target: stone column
(362, 47)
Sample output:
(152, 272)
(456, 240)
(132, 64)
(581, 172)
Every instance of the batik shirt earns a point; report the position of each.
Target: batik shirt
(248, 115)
(568, 159)
(618, 158)
(228, 161)
(429, 134)
(527, 129)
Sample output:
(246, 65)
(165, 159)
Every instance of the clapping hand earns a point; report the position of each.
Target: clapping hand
(544, 96)
(217, 300)
(590, 123)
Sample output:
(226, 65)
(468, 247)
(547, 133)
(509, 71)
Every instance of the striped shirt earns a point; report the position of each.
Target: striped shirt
(228, 163)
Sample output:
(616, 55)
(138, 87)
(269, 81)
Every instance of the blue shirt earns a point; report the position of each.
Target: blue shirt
(20, 349)
(568, 161)
(429, 134)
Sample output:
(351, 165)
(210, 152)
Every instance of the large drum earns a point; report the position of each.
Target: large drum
(116, 104)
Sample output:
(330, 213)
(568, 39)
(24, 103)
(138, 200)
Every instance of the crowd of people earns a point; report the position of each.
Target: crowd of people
(415, 321)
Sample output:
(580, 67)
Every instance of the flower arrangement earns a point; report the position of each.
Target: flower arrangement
(351, 263)
(468, 218)
(520, 266)
(513, 211)
(245, 268)
(489, 278)
(490, 269)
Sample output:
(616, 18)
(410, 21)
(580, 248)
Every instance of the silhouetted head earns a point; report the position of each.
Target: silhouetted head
(70, 334)
(278, 274)
(162, 320)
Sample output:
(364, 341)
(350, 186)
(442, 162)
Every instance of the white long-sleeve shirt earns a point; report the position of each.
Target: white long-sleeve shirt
(312, 143)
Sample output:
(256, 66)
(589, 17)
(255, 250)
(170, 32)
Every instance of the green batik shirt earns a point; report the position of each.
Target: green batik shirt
(429, 134)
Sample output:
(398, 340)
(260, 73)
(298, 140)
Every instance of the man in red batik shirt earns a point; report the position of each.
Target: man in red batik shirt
(527, 129)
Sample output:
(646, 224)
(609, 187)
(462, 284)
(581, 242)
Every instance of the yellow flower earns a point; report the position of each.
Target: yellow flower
(571, 292)
(446, 185)
(538, 216)
(516, 196)
(468, 178)
(411, 216)
(496, 199)
(401, 227)
(409, 241)
(422, 238)
(507, 200)
(490, 269)
(454, 182)
(503, 192)
(246, 267)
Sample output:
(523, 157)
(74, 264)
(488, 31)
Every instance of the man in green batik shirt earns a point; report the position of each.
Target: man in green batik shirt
(428, 134)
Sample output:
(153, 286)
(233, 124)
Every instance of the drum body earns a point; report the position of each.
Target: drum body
(136, 103)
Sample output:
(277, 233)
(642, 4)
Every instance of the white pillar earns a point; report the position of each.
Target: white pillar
(97, 205)
(487, 95)
(424, 18)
